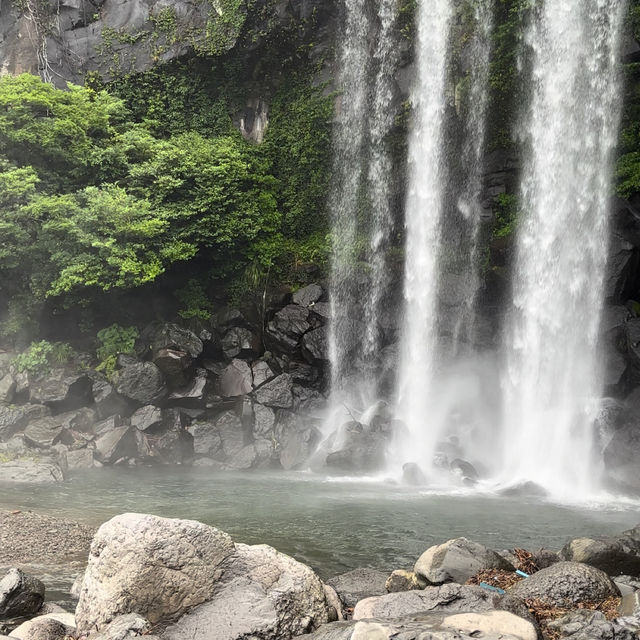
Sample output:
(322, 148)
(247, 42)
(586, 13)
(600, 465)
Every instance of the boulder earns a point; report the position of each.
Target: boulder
(141, 382)
(297, 442)
(308, 295)
(588, 625)
(107, 401)
(288, 326)
(566, 584)
(158, 336)
(630, 604)
(166, 443)
(20, 595)
(606, 554)
(14, 419)
(622, 457)
(239, 342)
(361, 450)
(263, 594)
(52, 626)
(309, 402)
(235, 379)
(491, 625)
(176, 366)
(315, 346)
(146, 417)
(277, 393)
(401, 580)
(206, 438)
(262, 373)
(457, 560)
(7, 389)
(156, 567)
(31, 471)
(43, 432)
(194, 394)
(358, 584)
(108, 424)
(447, 598)
(61, 392)
(413, 475)
(228, 317)
(120, 443)
(80, 459)
(129, 625)
(264, 420)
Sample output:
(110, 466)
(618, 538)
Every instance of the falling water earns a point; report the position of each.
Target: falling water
(349, 148)
(361, 201)
(551, 380)
(470, 201)
(423, 215)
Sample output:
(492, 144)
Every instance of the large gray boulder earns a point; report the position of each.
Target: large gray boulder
(51, 626)
(308, 295)
(129, 625)
(20, 594)
(457, 560)
(358, 584)
(62, 392)
(622, 457)
(608, 555)
(490, 625)
(7, 388)
(159, 336)
(107, 401)
(14, 419)
(30, 471)
(361, 450)
(235, 379)
(263, 594)
(288, 326)
(583, 624)
(315, 346)
(566, 584)
(448, 598)
(141, 382)
(277, 393)
(156, 567)
(241, 343)
(116, 444)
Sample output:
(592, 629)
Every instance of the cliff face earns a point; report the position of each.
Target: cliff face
(67, 40)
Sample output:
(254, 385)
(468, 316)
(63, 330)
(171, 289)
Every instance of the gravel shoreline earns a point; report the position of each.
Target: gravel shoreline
(28, 538)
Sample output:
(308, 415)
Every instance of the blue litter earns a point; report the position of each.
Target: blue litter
(489, 587)
(522, 573)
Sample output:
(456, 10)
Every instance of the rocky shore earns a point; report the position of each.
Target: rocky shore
(172, 579)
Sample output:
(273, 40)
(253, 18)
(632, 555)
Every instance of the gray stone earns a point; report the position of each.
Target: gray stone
(297, 441)
(115, 445)
(235, 379)
(490, 625)
(108, 424)
(43, 432)
(262, 373)
(358, 584)
(447, 598)
(7, 389)
(146, 417)
(622, 457)
(315, 346)
(172, 336)
(231, 433)
(606, 554)
(264, 420)
(457, 560)
(141, 382)
(14, 419)
(288, 326)
(80, 459)
(630, 604)
(194, 394)
(156, 567)
(263, 594)
(206, 438)
(176, 366)
(308, 295)
(20, 594)
(401, 580)
(361, 451)
(107, 401)
(588, 625)
(31, 471)
(52, 626)
(276, 393)
(566, 583)
(62, 392)
(129, 625)
(239, 342)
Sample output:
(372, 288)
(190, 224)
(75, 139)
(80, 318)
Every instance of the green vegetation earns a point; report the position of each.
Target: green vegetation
(505, 209)
(105, 189)
(114, 340)
(42, 356)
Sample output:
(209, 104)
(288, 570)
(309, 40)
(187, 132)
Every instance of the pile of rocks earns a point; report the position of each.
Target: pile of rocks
(231, 397)
(173, 579)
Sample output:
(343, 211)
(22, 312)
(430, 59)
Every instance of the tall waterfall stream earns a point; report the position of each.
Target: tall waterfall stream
(524, 410)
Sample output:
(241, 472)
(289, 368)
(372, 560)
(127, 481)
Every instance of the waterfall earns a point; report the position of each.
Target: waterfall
(423, 218)
(360, 200)
(551, 373)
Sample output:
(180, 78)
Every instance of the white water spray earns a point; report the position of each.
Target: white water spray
(551, 382)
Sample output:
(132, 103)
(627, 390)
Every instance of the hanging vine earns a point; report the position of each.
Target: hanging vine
(43, 21)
